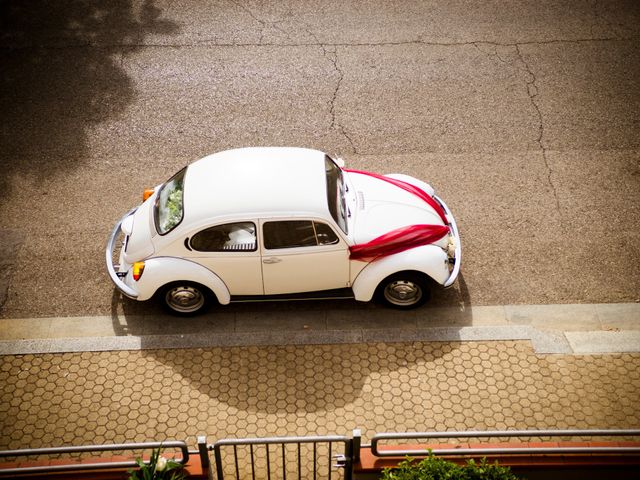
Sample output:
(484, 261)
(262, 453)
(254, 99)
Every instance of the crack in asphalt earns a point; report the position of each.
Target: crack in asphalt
(493, 53)
(208, 43)
(263, 23)
(532, 91)
(121, 58)
(4, 294)
(330, 52)
(332, 56)
(533, 94)
(10, 242)
(596, 16)
(254, 17)
(599, 19)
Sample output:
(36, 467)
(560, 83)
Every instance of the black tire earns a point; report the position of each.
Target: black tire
(185, 299)
(404, 290)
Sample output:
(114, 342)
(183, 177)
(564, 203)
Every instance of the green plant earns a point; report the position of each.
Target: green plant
(158, 468)
(434, 468)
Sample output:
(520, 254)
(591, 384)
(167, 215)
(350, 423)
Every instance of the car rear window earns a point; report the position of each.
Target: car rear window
(168, 210)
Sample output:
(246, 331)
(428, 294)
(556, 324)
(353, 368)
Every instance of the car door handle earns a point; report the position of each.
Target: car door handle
(271, 260)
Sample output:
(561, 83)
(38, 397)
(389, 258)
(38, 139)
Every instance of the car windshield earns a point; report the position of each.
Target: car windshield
(336, 193)
(168, 211)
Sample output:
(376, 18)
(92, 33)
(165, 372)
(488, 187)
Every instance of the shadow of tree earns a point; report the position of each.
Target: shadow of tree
(62, 75)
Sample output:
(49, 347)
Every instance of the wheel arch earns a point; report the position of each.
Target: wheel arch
(162, 271)
(404, 290)
(428, 260)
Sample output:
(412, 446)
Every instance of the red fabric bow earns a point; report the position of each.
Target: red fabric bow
(403, 238)
(398, 240)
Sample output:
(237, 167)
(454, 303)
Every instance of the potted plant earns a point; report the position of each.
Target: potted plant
(434, 468)
(158, 468)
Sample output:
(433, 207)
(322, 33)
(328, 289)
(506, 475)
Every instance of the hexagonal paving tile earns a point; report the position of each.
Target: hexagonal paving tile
(83, 398)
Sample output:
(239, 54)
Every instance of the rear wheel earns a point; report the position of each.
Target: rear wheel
(404, 290)
(185, 299)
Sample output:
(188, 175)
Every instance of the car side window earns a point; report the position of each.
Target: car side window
(297, 233)
(230, 237)
(325, 234)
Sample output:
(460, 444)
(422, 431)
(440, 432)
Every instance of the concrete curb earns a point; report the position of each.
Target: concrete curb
(542, 342)
(551, 329)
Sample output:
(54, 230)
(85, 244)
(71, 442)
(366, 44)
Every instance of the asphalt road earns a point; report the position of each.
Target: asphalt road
(525, 116)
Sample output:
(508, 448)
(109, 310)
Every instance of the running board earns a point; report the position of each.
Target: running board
(337, 294)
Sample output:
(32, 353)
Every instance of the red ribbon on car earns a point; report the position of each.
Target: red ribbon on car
(398, 240)
(403, 238)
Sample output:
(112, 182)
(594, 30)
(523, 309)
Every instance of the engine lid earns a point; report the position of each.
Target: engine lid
(388, 207)
(139, 226)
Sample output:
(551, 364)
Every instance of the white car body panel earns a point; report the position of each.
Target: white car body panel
(255, 181)
(240, 271)
(305, 269)
(140, 244)
(160, 271)
(428, 259)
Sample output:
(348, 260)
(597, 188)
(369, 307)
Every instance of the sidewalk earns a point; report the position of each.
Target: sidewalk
(104, 397)
(577, 328)
(55, 399)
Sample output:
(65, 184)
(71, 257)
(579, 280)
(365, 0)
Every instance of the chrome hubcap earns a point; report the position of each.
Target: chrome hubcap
(402, 292)
(185, 299)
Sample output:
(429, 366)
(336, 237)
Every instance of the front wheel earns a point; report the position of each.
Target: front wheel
(185, 299)
(403, 290)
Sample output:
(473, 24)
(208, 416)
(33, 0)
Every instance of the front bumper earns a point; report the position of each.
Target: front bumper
(111, 267)
(457, 259)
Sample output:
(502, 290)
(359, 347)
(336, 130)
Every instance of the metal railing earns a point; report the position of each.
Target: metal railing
(520, 434)
(286, 460)
(343, 460)
(70, 467)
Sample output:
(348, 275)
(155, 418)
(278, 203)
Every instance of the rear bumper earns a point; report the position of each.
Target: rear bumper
(454, 232)
(112, 267)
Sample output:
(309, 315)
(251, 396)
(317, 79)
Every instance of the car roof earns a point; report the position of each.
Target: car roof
(256, 182)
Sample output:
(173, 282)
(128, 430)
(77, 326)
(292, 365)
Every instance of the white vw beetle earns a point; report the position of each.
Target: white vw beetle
(283, 223)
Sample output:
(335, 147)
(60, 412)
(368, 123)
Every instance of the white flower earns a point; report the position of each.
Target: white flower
(161, 465)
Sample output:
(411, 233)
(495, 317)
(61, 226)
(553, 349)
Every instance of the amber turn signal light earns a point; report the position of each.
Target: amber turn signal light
(138, 268)
(147, 193)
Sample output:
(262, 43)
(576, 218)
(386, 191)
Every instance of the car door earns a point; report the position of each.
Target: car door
(230, 251)
(302, 256)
